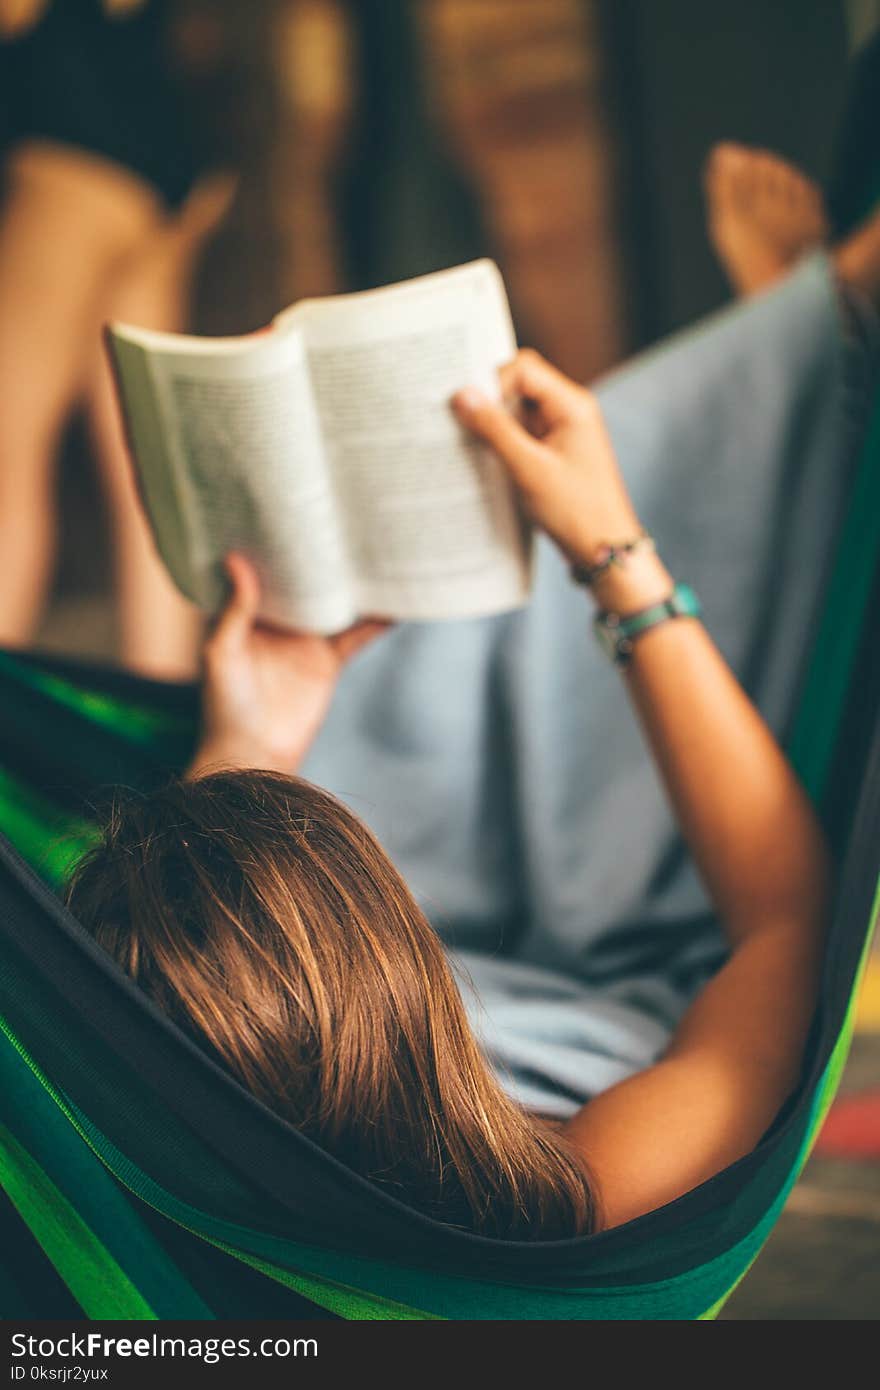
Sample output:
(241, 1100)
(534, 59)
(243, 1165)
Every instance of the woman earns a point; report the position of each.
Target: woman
(263, 917)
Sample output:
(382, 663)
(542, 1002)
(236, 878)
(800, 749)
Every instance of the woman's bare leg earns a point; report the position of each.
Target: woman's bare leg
(159, 629)
(68, 220)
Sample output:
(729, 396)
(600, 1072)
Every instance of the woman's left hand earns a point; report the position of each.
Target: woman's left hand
(266, 691)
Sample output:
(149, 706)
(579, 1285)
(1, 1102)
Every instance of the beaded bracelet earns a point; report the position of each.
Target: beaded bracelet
(608, 555)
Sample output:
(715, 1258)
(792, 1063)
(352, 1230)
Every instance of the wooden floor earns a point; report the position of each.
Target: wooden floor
(822, 1262)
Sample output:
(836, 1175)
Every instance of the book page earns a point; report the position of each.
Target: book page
(432, 525)
(244, 470)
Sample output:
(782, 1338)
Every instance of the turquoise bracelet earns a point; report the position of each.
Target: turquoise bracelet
(616, 635)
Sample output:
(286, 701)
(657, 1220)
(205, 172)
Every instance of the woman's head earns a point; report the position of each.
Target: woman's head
(263, 917)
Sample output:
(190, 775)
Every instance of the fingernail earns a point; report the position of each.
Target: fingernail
(469, 399)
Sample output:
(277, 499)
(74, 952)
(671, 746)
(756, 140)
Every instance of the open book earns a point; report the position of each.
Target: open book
(326, 451)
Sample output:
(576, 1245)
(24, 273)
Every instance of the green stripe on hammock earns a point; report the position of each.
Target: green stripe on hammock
(97, 1282)
(113, 1266)
(50, 840)
(136, 722)
(811, 744)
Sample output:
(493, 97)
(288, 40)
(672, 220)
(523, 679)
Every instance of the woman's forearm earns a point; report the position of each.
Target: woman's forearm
(749, 824)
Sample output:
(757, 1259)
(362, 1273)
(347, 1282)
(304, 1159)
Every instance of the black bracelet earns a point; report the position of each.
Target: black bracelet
(608, 555)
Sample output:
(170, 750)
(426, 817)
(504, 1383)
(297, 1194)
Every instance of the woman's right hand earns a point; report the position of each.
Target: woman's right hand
(558, 454)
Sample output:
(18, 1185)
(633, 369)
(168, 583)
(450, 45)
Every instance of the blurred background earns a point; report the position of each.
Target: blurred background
(378, 139)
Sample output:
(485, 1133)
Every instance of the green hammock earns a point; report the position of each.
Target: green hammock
(141, 1181)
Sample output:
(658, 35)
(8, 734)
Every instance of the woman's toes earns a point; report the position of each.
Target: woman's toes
(723, 168)
(763, 213)
(771, 179)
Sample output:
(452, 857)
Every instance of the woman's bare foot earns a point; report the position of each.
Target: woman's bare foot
(763, 214)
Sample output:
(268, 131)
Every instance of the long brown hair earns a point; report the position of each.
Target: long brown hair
(264, 918)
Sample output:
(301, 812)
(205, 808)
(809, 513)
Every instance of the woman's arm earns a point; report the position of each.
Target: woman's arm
(266, 692)
(735, 1056)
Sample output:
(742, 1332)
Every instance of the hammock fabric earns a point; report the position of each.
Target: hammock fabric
(142, 1182)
